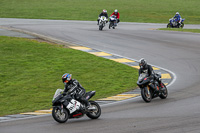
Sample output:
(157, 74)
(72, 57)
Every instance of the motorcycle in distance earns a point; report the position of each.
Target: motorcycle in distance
(113, 22)
(66, 107)
(150, 87)
(173, 23)
(102, 22)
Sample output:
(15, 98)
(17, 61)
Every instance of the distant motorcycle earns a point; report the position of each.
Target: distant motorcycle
(150, 88)
(66, 107)
(174, 23)
(102, 22)
(113, 22)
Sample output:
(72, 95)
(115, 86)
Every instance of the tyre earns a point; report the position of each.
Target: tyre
(96, 112)
(182, 25)
(146, 94)
(58, 116)
(169, 25)
(164, 93)
(109, 25)
(100, 27)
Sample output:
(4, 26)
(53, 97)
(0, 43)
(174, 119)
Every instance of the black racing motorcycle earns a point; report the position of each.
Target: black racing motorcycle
(66, 107)
(113, 22)
(150, 88)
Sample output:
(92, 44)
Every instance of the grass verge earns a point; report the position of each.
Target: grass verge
(31, 71)
(151, 11)
(181, 30)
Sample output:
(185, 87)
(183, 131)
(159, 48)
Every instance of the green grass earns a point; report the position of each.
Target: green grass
(31, 71)
(156, 11)
(181, 30)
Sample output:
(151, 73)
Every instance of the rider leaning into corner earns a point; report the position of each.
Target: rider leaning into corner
(116, 13)
(103, 13)
(178, 17)
(73, 87)
(145, 68)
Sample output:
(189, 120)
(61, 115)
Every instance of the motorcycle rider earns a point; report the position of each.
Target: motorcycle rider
(178, 17)
(73, 87)
(103, 13)
(116, 13)
(145, 68)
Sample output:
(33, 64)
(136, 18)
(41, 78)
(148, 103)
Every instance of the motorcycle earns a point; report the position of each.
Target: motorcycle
(102, 22)
(113, 22)
(66, 107)
(174, 23)
(150, 88)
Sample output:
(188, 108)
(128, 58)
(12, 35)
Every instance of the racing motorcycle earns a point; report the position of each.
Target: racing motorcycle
(113, 22)
(66, 107)
(102, 22)
(150, 88)
(173, 23)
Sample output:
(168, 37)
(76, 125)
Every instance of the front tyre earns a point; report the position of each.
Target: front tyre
(182, 25)
(146, 94)
(164, 93)
(59, 116)
(169, 25)
(95, 110)
(109, 25)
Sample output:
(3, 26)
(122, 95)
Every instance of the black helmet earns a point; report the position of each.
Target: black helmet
(142, 63)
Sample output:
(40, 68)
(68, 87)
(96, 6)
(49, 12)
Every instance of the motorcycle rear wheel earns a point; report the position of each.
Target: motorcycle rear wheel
(146, 97)
(96, 113)
(58, 116)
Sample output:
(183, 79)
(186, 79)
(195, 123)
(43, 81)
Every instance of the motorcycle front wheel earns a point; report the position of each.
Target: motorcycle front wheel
(164, 93)
(100, 27)
(60, 116)
(182, 25)
(146, 94)
(95, 112)
(169, 25)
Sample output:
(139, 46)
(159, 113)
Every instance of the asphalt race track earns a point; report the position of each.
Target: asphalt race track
(175, 51)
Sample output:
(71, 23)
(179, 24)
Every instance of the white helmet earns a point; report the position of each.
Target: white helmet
(177, 13)
(116, 11)
(104, 11)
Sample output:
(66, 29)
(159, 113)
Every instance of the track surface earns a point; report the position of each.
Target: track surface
(175, 51)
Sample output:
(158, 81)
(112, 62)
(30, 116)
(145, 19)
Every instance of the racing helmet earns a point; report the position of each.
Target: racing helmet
(116, 11)
(104, 11)
(177, 13)
(142, 63)
(66, 77)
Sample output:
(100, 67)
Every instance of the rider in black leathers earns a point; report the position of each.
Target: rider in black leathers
(145, 68)
(103, 13)
(73, 87)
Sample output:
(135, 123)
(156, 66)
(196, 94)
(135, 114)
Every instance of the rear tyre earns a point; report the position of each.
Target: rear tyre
(146, 94)
(164, 93)
(96, 112)
(58, 116)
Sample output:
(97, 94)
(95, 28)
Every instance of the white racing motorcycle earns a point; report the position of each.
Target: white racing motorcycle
(102, 22)
(66, 107)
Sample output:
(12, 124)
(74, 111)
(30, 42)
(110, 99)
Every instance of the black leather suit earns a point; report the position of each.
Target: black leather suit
(73, 87)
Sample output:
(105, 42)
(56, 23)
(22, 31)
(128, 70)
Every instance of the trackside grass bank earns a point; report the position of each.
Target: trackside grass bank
(181, 30)
(30, 72)
(151, 11)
